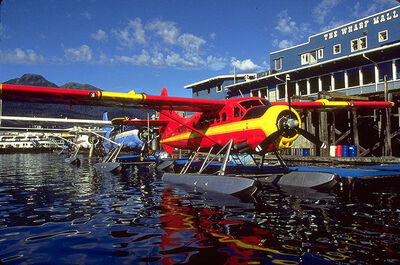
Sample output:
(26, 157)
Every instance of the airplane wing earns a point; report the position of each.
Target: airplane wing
(65, 121)
(128, 122)
(105, 98)
(326, 104)
(71, 131)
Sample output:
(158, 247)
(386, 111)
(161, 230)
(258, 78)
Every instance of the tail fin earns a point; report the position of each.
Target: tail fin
(173, 122)
(106, 144)
(105, 116)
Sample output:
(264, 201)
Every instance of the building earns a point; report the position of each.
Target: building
(216, 87)
(356, 59)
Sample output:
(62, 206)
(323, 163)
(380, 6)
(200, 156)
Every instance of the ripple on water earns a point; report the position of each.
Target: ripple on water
(53, 213)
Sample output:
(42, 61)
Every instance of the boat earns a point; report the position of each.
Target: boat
(13, 142)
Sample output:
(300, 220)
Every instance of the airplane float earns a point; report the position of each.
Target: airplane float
(250, 125)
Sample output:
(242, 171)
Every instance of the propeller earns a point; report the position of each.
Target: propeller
(288, 126)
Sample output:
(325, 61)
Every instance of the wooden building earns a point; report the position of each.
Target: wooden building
(356, 61)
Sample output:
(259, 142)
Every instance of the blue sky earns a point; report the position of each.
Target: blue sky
(120, 45)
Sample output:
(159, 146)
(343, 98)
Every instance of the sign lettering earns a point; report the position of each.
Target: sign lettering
(362, 25)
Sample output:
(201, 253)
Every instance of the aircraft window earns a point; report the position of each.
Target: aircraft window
(250, 103)
(236, 111)
(266, 102)
(224, 116)
(255, 112)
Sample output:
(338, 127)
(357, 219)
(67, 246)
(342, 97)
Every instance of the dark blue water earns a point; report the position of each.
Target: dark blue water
(53, 213)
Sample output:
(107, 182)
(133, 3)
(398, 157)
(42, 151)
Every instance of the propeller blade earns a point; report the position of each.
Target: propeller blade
(312, 138)
(269, 140)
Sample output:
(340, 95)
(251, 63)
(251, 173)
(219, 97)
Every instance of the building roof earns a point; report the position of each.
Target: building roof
(376, 55)
(217, 79)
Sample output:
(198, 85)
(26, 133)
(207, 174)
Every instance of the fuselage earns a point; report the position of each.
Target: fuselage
(248, 121)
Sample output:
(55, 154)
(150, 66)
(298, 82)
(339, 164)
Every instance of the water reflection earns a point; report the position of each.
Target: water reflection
(51, 212)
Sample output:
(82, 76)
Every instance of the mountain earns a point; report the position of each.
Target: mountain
(60, 111)
(31, 80)
(74, 85)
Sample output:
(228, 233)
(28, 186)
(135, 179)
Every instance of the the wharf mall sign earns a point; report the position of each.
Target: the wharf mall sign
(362, 25)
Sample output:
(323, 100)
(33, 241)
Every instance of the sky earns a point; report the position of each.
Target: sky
(145, 45)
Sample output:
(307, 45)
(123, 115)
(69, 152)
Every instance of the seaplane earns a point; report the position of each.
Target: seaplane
(251, 125)
(87, 134)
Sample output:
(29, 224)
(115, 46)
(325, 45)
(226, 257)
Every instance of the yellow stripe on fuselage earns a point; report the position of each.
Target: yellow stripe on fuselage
(218, 129)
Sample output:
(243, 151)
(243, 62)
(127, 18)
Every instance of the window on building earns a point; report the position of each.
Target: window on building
(302, 87)
(383, 35)
(337, 49)
(304, 58)
(254, 93)
(385, 69)
(354, 45)
(363, 43)
(208, 90)
(368, 73)
(359, 44)
(314, 85)
(278, 63)
(353, 77)
(281, 91)
(272, 96)
(217, 119)
(326, 82)
(291, 89)
(264, 92)
(339, 80)
(397, 64)
(312, 56)
(219, 88)
(320, 53)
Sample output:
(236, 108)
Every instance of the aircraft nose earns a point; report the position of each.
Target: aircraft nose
(290, 123)
(287, 123)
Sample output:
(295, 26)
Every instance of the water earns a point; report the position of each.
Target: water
(54, 213)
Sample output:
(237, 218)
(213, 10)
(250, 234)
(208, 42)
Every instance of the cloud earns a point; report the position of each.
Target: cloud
(322, 9)
(291, 31)
(132, 34)
(81, 54)
(167, 30)
(361, 9)
(99, 35)
(282, 44)
(157, 43)
(245, 65)
(87, 15)
(285, 23)
(144, 58)
(215, 63)
(190, 43)
(20, 56)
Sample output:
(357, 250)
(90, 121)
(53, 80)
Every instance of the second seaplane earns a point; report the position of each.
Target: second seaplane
(250, 125)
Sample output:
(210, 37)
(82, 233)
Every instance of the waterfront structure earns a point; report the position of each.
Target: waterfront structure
(360, 58)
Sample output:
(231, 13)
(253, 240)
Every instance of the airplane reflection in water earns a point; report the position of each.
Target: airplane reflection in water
(239, 241)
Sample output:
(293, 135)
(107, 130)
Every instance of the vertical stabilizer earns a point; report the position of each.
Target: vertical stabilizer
(174, 121)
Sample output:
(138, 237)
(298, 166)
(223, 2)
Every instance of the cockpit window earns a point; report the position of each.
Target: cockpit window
(266, 102)
(248, 104)
(255, 112)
